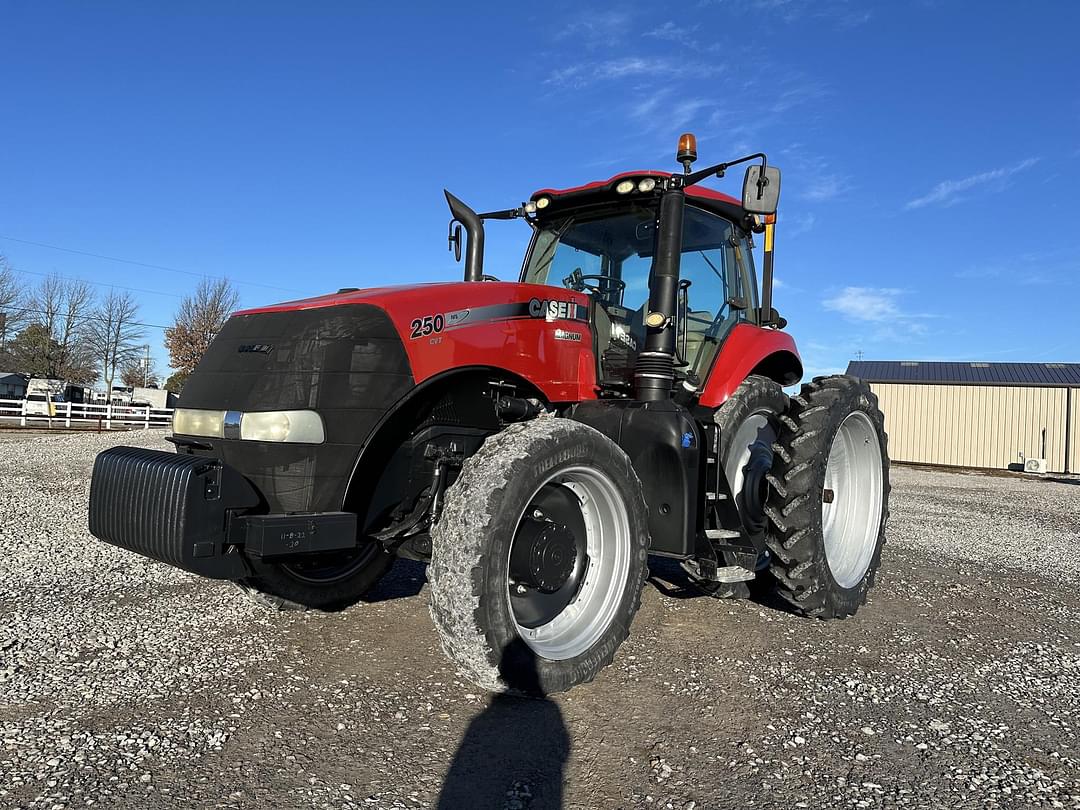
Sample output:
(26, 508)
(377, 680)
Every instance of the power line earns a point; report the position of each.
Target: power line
(59, 314)
(142, 264)
(95, 283)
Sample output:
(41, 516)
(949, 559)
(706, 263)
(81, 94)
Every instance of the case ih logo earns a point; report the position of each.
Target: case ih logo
(256, 348)
(552, 310)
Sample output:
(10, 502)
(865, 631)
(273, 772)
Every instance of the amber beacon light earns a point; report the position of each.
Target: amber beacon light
(687, 153)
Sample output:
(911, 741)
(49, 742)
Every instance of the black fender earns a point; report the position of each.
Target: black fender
(459, 399)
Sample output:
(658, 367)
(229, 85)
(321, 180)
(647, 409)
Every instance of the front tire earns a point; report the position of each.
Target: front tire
(830, 497)
(539, 557)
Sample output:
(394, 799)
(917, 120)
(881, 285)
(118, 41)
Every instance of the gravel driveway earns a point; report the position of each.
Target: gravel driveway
(127, 684)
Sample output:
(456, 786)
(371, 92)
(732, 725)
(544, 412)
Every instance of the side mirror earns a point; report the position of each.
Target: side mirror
(761, 193)
(454, 240)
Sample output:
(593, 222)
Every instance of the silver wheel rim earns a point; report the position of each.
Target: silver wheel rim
(756, 427)
(851, 500)
(607, 528)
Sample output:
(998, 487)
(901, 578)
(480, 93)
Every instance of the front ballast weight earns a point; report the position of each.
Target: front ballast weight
(202, 518)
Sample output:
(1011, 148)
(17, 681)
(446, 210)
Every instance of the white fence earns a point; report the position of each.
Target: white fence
(80, 414)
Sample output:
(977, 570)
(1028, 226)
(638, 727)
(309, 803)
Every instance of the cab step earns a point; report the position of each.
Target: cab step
(724, 573)
(722, 534)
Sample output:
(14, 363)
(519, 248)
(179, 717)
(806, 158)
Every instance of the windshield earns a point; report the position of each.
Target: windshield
(608, 254)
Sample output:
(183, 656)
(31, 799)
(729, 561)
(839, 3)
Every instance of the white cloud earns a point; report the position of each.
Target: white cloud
(879, 308)
(853, 19)
(798, 224)
(597, 27)
(873, 304)
(809, 175)
(587, 73)
(826, 187)
(799, 91)
(948, 192)
(670, 32)
(844, 14)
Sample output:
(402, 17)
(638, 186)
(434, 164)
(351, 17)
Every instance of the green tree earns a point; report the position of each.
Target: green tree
(176, 381)
(32, 351)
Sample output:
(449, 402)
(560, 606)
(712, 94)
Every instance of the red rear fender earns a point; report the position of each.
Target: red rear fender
(751, 350)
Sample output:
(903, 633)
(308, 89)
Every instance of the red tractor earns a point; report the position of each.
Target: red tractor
(534, 440)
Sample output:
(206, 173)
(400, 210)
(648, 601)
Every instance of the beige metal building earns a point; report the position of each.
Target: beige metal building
(988, 415)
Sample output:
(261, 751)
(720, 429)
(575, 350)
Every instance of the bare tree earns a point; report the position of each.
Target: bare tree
(139, 371)
(198, 319)
(12, 304)
(64, 307)
(114, 334)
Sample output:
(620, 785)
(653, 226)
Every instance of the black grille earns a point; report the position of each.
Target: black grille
(168, 507)
(346, 362)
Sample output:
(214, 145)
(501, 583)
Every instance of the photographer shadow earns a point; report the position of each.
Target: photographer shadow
(514, 752)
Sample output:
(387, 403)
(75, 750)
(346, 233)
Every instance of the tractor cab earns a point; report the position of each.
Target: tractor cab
(602, 240)
(667, 264)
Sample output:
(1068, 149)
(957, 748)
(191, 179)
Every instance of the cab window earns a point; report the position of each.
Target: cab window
(607, 254)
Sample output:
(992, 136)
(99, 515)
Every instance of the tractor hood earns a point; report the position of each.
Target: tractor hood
(348, 295)
(536, 331)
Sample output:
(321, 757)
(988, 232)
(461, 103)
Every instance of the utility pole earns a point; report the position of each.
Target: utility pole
(146, 366)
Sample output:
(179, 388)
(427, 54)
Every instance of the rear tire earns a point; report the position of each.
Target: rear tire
(329, 583)
(830, 497)
(749, 423)
(570, 495)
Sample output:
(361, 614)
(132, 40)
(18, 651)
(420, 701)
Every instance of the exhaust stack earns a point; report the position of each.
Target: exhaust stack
(474, 229)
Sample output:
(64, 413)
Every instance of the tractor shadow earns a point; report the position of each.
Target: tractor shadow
(405, 579)
(514, 753)
(672, 582)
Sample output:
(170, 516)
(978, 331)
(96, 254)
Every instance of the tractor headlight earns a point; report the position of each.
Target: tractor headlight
(192, 422)
(305, 427)
(625, 187)
(646, 185)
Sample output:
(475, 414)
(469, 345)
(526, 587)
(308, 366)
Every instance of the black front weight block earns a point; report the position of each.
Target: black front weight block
(170, 507)
(188, 511)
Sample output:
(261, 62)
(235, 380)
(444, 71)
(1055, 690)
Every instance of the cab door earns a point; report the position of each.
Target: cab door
(717, 290)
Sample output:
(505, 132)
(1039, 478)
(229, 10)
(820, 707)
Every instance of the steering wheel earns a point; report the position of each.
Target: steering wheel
(576, 281)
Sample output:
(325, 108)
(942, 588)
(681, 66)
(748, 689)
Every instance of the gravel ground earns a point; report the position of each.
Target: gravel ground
(126, 684)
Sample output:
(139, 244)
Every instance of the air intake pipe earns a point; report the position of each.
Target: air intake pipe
(654, 372)
(474, 228)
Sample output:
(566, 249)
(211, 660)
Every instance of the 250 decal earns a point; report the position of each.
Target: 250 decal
(427, 325)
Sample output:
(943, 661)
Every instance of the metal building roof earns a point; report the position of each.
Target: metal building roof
(1037, 375)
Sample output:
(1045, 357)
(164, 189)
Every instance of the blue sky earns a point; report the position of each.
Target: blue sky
(931, 150)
